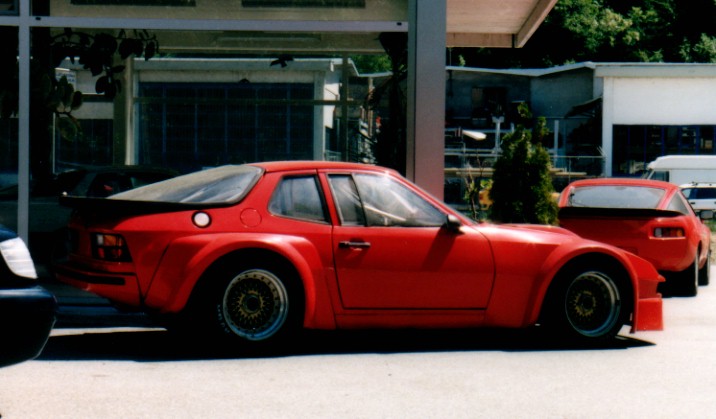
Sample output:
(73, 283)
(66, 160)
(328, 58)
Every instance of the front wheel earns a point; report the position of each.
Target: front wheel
(587, 304)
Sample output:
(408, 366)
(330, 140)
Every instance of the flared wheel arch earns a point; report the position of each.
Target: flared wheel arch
(214, 277)
(591, 262)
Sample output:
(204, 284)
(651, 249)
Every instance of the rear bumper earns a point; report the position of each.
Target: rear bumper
(115, 286)
(27, 316)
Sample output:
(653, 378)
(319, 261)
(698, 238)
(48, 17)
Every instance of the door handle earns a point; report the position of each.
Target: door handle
(353, 245)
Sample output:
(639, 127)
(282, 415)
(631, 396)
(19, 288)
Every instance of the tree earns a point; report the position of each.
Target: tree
(613, 31)
(522, 190)
(392, 142)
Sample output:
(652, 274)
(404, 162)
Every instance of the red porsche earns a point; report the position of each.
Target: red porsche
(650, 218)
(257, 251)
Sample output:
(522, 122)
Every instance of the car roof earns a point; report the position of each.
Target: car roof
(279, 166)
(623, 181)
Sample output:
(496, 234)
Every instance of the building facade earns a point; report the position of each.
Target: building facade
(608, 119)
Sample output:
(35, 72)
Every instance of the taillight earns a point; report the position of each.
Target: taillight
(665, 232)
(110, 247)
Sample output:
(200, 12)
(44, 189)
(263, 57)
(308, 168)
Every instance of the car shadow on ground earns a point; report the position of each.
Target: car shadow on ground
(143, 344)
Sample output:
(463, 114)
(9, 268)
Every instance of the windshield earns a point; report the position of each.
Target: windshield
(225, 184)
(616, 196)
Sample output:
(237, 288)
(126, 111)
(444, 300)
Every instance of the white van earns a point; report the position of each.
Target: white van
(701, 195)
(683, 169)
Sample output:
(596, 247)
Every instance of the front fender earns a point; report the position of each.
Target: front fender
(647, 312)
(187, 258)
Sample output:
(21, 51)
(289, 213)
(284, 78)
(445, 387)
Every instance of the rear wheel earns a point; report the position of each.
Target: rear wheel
(688, 280)
(587, 304)
(254, 305)
(705, 271)
(248, 305)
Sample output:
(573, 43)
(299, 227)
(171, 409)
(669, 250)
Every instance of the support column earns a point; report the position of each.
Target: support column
(23, 162)
(425, 161)
(607, 122)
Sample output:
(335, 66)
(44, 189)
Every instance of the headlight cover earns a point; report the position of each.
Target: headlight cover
(17, 257)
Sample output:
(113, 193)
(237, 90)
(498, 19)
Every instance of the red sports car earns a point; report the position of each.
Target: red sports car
(650, 218)
(254, 252)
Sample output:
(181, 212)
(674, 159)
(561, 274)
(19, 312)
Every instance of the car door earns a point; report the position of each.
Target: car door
(392, 251)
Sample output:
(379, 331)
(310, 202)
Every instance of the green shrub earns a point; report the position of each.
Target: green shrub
(522, 190)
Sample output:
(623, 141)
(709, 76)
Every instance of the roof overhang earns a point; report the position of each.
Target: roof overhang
(469, 23)
(494, 23)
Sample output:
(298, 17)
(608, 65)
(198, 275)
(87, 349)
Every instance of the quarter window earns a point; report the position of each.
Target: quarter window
(298, 197)
(677, 203)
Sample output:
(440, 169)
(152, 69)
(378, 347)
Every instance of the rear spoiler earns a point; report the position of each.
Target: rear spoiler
(106, 206)
(590, 212)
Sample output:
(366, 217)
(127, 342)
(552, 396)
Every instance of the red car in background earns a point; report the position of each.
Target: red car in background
(257, 251)
(649, 218)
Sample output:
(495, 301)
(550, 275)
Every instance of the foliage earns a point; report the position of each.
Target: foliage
(391, 142)
(613, 31)
(49, 96)
(522, 185)
(96, 52)
(475, 190)
(367, 64)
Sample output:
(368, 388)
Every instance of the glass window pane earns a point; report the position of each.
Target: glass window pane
(298, 197)
(347, 200)
(388, 203)
(616, 197)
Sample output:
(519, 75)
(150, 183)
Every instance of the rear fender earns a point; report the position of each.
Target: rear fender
(187, 258)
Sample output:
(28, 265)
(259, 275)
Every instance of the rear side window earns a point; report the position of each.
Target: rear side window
(298, 197)
(677, 203)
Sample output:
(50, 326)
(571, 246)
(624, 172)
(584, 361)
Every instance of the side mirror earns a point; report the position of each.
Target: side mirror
(706, 214)
(452, 223)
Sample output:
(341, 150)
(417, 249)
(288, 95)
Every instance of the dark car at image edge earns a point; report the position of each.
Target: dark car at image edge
(27, 310)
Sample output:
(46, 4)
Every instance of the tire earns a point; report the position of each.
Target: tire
(588, 304)
(246, 306)
(688, 280)
(254, 305)
(705, 272)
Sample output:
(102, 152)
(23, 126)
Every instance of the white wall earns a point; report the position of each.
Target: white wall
(663, 101)
(677, 99)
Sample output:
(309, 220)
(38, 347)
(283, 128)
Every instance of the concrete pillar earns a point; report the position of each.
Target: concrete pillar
(426, 94)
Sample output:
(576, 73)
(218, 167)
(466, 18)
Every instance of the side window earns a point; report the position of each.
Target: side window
(678, 204)
(660, 175)
(298, 197)
(707, 193)
(348, 203)
(386, 202)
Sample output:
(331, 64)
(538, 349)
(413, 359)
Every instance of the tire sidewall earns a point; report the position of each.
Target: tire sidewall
(555, 312)
(293, 315)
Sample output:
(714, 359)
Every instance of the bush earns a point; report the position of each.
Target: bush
(522, 190)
